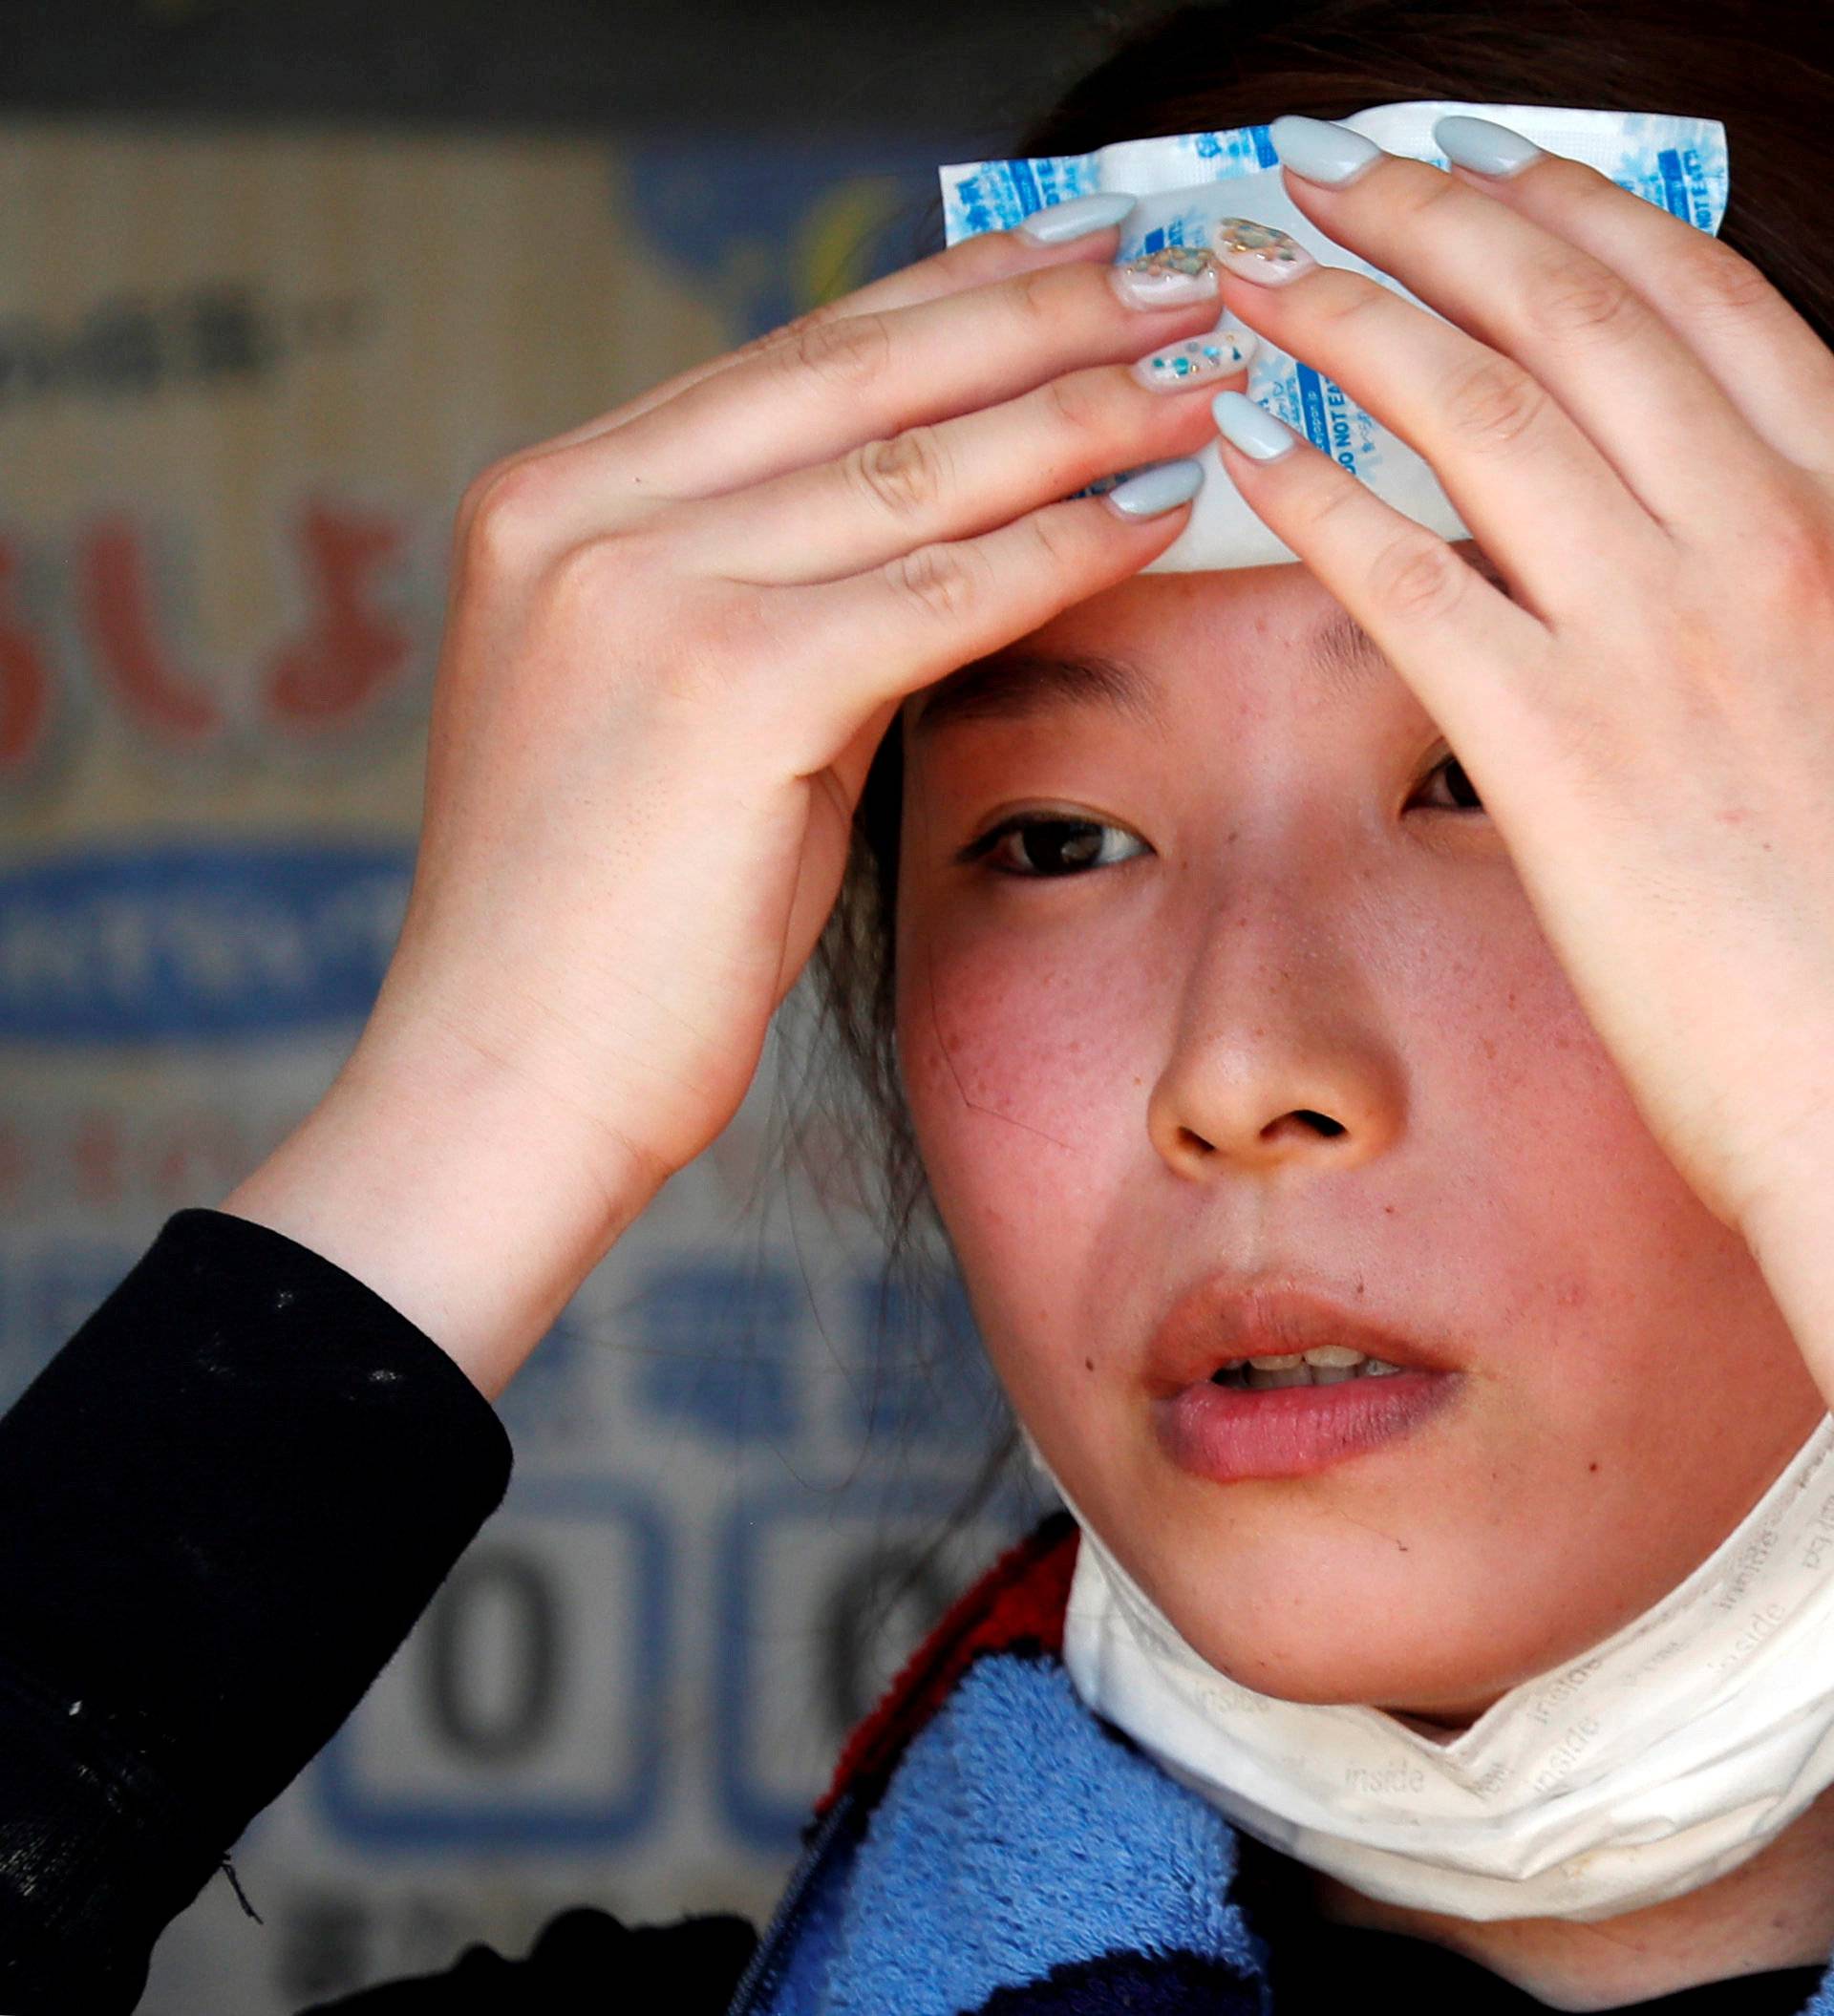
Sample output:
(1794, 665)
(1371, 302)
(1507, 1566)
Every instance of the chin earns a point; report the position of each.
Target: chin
(1326, 1676)
(1336, 1651)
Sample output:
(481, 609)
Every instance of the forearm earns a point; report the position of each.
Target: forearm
(226, 1500)
(473, 1200)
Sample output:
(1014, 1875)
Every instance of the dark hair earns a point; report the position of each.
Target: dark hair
(1765, 71)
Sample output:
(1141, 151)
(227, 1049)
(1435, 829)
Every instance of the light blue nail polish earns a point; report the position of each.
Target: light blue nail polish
(1160, 488)
(1482, 146)
(1251, 427)
(1058, 223)
(1321, 152)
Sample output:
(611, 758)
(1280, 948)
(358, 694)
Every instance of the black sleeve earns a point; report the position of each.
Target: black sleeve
(584, 1964)
(223, 1503)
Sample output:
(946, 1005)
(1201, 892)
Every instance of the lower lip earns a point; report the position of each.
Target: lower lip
(1229, 1432)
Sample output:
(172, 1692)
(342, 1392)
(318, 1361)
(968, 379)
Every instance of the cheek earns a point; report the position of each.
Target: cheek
(1014, 1048)
(1027, 1071)
(1641, 1385)
(1585, 1257)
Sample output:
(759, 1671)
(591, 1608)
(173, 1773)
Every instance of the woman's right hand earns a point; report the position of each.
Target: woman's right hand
(678, 634)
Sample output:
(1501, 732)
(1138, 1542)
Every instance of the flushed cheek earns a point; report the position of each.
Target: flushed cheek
(1003, 1045)
(1027, 1084)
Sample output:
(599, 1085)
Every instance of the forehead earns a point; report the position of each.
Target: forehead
(1123, 651)
(1247, 616)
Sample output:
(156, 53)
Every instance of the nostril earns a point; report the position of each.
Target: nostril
(1304, 1120)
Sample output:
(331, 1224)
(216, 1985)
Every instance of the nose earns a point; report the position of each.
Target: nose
(1278, 1058)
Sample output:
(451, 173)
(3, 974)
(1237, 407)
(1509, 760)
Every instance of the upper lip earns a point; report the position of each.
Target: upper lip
(1222, 1321)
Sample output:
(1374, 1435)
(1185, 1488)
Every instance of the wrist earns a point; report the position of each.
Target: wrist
(472, 1199)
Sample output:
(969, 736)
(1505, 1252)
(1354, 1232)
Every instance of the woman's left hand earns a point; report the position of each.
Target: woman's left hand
(1639, 433)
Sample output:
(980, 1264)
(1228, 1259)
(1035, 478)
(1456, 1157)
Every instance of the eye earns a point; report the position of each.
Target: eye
(1057, 848)
(1046, 847)
(1457, 782)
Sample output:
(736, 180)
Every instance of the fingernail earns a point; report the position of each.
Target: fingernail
(1212, 356)
(1164, 487)
(1251, 427)
(1083, 216)
(1260, 253)
(1320, 151)
(1166, 278)
(1482, 146)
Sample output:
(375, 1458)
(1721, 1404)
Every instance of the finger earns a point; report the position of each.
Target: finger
(1536, 493)
(1764, 358)
(864, 376)
(1476, 659)
(965, 475)
(1627, 381)
(882, 635)
(981, 261)
(976, 262)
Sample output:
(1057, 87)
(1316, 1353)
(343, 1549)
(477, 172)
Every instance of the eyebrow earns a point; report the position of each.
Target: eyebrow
(1019, 686)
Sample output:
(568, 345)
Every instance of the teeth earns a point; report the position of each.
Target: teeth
(1325, 1354)
(1325, 1365)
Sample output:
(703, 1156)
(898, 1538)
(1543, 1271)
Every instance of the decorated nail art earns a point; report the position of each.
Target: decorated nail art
(1162, 279)
(1260, 253)
(1211, 356)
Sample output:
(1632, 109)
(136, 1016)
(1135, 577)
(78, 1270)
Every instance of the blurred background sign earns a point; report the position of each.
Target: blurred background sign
(274, 285)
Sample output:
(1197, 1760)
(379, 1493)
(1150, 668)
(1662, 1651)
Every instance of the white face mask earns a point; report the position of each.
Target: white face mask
(1664, 1757)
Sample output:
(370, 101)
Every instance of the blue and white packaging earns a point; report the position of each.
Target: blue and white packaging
(1187, 181)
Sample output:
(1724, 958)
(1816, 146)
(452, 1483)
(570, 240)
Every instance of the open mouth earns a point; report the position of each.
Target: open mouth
(1236, 1425)
(1324, 1365)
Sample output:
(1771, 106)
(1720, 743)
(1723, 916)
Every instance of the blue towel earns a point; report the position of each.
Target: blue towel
(1018, 1837)
(991, 1848)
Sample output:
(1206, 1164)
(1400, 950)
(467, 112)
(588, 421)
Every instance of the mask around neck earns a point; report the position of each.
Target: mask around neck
(1670, 1752)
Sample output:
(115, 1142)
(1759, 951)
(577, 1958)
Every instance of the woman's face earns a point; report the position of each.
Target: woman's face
(1109, 1036)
